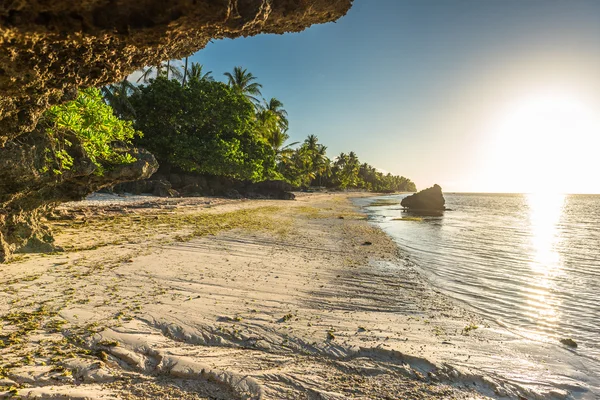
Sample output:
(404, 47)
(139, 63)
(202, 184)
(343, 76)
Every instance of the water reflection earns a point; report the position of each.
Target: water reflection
(545, 211)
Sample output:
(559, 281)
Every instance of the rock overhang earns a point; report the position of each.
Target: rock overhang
(48, 49)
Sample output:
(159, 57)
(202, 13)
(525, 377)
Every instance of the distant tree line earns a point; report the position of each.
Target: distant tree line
(197, 124)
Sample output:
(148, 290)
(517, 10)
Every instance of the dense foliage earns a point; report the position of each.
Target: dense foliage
(308, 165)
(90, 123)
(197, 124)
(204, 127)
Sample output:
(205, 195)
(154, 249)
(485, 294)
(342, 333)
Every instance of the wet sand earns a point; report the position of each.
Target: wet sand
(221, 299)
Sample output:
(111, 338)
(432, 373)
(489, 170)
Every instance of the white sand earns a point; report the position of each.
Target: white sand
(289, 304)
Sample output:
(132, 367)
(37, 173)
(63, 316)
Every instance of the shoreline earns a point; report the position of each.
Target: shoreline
(233, 299)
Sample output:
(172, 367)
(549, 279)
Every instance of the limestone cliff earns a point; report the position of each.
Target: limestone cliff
(49, 49)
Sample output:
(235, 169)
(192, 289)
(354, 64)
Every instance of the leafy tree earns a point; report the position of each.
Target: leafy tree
(243, 82)
(205, 127)
(90, 123)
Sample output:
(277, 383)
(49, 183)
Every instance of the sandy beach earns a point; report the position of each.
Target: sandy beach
(204, 298)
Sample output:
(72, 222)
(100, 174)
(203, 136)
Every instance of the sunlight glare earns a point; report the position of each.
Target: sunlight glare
(545, 211)
(543, 143)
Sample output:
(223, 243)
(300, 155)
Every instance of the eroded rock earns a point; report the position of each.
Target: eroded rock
(27, 193)
(48, 49)
(427, 200)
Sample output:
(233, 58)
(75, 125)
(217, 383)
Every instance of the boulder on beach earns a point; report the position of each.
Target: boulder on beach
(430, 199)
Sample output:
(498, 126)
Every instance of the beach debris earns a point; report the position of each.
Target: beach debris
(330, 335)
(469, 328)
(286, 317)
(108, 343)
(569, 342)
(227, 318)
(367, 243)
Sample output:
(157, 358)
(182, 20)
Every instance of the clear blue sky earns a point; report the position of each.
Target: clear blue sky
(413, 87)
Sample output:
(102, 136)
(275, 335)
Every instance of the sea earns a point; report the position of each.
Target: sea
(528, 262)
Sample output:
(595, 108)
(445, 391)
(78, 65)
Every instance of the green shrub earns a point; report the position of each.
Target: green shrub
(90, 123)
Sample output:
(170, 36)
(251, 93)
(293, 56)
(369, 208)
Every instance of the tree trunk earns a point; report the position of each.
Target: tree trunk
(168, 68)
(185, 71)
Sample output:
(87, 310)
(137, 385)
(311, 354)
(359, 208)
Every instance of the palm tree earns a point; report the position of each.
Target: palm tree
(353, 159)
(342, 159)
(277, 140)
(195, 72)
(185, 70)
(275, 106)
(158, 70)
(321, 163)
(347, 169)
(174, 70)
(242, 81)
(272, 119)
(267, 123)
(117, 96)
(311, 143)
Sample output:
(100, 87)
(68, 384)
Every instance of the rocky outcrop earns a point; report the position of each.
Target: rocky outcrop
(427, 200)
(49, 49)
(27, 193)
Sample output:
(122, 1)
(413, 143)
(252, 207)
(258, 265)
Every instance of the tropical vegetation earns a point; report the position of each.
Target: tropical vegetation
(196, 124)
(88, 123)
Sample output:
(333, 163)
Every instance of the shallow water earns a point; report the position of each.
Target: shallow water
(529, 262)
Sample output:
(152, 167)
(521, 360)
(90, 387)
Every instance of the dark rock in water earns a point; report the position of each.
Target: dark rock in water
(569, 342)
(427, 200)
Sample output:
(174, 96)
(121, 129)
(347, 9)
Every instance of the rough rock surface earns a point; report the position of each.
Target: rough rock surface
(49, 49)
(430, 199)
(26, 193)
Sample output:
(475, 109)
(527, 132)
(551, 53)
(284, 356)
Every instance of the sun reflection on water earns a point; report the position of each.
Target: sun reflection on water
(545, 211)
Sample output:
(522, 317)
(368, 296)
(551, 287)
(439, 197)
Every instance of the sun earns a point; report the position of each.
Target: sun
(544, 142)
